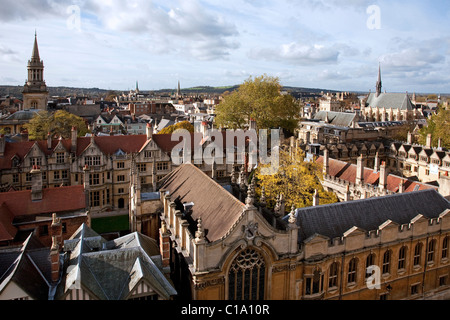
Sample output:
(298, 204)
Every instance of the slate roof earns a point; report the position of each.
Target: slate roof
(390, 101)
(217, 208)
(109, 270)
(342, 119)
(28, 266)
(368, 214)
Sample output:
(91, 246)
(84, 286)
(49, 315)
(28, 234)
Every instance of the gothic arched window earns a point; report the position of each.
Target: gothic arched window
(246, 277)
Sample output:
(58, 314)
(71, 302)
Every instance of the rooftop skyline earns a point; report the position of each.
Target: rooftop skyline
(332, 44)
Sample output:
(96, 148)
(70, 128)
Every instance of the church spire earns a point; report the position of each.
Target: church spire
(35, 54)
(379, 83)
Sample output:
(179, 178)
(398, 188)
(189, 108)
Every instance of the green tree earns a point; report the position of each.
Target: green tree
(59, 123)
(258, 99)
(439, 128)
(180, 125)
(296, 179)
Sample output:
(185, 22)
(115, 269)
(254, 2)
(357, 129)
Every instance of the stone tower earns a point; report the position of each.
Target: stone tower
(35, 92)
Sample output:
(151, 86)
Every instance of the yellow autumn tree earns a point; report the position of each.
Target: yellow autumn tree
(296, 179)
(186, 125)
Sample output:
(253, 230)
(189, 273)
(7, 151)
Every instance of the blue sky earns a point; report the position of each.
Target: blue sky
(331, 44)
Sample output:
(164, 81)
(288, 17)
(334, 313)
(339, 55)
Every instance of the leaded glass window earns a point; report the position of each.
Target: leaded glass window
(246, 278)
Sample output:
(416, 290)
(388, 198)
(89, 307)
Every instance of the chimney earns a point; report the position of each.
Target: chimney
(429, 140)
(36, 184)
(401, 187)
(316, 199)
(376, 166)
(54, 259)
(326, 162)
(383, 177)
(347, 193)
(164, 240)
(74, 138)
(409, 141)
(149, 131)
(56, 228)
(49, 141)
(360, 171)
(2, 145)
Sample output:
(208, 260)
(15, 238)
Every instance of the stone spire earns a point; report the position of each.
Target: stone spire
(379, 83)
(262, 199)
(35, 54)
(292, 217)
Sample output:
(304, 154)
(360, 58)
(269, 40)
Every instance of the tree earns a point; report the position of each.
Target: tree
(438, 127)
(258, 99)
(296, 179)
(59, 123)
(180, 125)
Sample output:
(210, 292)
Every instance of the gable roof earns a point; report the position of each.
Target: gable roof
(399, 101)
(28, 267)
(217, 208)
(342, 119)
(368, 214)
(111, 270)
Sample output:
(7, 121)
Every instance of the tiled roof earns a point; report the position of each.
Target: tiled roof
(54, 200)
(216, 207)
(368, 214)
(347, 172)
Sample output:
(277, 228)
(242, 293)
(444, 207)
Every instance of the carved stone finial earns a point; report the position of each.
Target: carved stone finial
(262, 200)
(292, 217)
(199, 234)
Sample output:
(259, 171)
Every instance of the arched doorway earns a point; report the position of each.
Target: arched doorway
(247, 276)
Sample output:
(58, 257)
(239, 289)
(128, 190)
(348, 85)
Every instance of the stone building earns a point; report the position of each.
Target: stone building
(221, 248)
(357, 181)
(382, 106)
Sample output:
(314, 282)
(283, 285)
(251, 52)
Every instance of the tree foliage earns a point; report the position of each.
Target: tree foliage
(296, 179)
(57, 123)
(439, 128)
(180, 125)
(258, 99)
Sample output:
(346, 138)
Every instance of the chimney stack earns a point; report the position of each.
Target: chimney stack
(326, 162)
(149, 131)
(49, 141)
(36, 184)
(74, 137)
(360, 171)
(54, 259)
(316, 199)
(383, 177)
(429, 140)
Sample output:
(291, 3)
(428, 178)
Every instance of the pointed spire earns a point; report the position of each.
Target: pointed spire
(262, 199)
(35, 54)
(379, 83)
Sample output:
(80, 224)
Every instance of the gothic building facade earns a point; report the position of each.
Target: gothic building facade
(219, 247)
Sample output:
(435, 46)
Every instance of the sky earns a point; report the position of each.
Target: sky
(327, 44)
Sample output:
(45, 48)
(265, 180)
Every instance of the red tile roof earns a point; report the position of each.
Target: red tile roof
(61, 199)
(347, 172)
